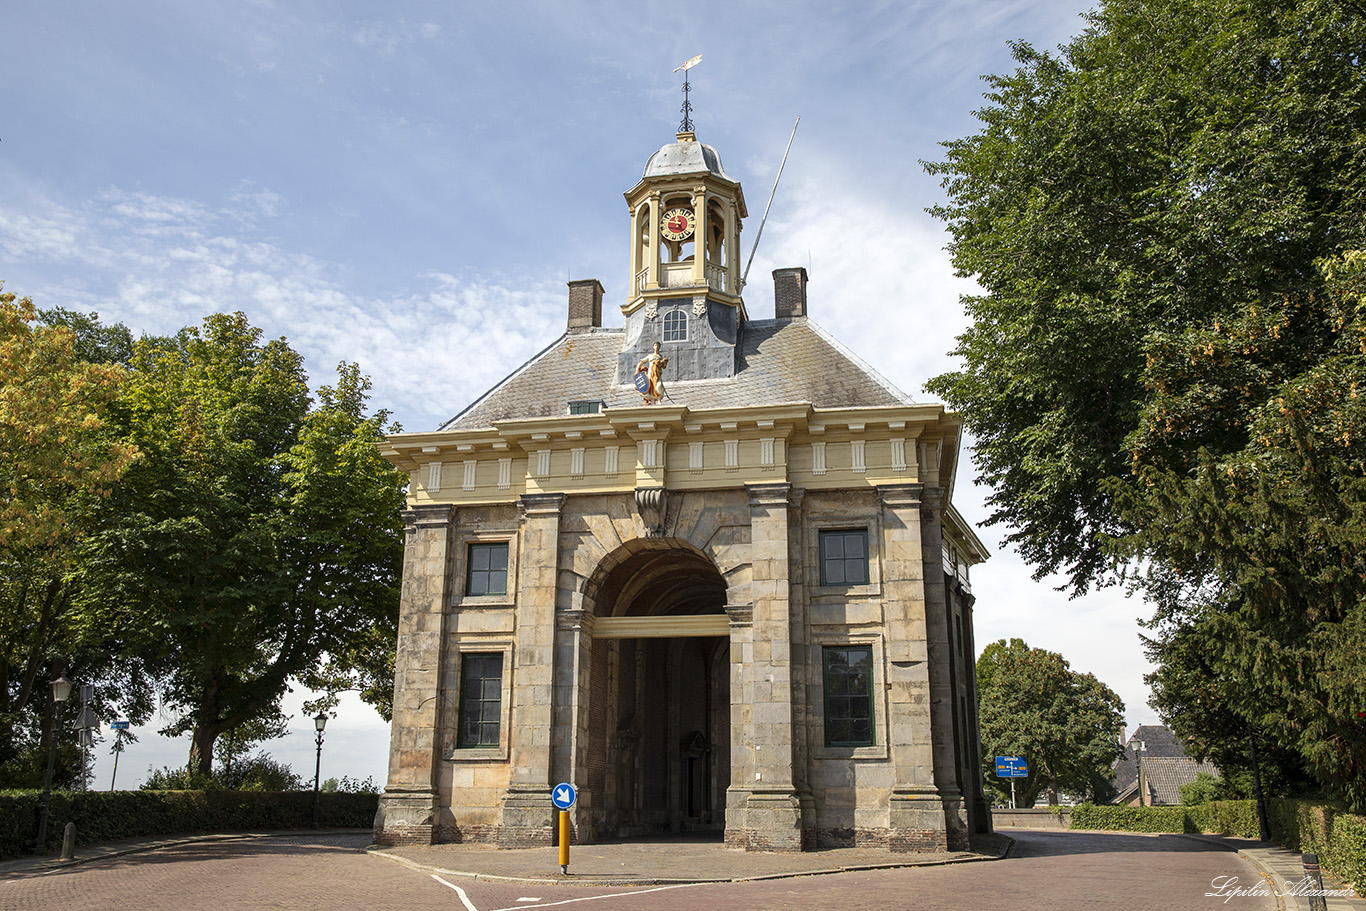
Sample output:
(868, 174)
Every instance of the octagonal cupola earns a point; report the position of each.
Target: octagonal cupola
(684, 290)
(685, 226)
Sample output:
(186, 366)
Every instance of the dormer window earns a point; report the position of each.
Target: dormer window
(675, 326)
(585, 406)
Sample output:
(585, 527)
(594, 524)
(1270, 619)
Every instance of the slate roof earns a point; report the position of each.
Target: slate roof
(1165, 777)
(1165, 765)
(780, 362)
(1159, 743)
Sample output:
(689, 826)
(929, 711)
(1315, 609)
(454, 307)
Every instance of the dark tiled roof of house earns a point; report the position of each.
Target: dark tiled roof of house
(1165, 776)
(779, 361)
(1165, 764)
(1159, 742)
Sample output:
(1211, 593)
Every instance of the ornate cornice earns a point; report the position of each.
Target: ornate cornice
(540, 504)
(905, 495)
(428, 515)
(769, 494)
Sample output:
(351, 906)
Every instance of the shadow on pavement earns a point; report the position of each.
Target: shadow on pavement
(1045, 843)
(218, 849)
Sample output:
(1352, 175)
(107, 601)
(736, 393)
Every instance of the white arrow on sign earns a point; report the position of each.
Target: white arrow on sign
(563, 795)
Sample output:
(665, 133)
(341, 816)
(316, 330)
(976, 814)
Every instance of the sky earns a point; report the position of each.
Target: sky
(384, 183)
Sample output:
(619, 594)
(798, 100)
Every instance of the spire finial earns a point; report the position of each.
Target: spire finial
(686, 125)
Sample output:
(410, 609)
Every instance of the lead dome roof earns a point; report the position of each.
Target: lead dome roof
(685, 157)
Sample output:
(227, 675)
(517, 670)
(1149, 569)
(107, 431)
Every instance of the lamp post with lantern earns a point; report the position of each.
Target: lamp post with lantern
(61, 691)
(319, 722)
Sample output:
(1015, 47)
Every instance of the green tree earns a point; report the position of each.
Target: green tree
(259, 535)
(1067, 725)
(1164, 368)
(237, 742)
(1175, 162)
(1259, 550)
(1203, 789)
(59, 459)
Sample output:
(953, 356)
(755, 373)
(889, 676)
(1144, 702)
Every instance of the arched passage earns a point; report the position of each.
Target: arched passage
(659, 718)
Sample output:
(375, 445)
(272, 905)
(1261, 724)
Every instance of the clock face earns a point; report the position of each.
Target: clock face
(677, 224)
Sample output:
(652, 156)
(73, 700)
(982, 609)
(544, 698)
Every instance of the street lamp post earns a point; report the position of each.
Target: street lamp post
(319, 722)
(61, 689)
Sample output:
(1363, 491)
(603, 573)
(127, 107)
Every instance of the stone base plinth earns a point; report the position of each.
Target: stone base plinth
(527, 819)
(927, 820)
(767, 821)
(405, 817)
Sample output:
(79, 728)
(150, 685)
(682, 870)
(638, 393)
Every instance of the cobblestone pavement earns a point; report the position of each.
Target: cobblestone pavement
(1054, 870)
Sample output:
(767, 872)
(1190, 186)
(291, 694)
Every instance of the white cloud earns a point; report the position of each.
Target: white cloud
(159, 263)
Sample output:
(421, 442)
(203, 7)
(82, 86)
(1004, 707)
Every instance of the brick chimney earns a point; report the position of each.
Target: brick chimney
(789, 293)
(585, 305)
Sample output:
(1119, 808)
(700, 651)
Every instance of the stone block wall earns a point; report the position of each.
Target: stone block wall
(787, 790)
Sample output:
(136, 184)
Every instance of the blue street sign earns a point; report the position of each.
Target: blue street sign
(1012, 767)
(119, 726)
(563, 796)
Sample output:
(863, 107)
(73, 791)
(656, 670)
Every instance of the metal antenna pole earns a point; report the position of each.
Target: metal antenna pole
(762, 221)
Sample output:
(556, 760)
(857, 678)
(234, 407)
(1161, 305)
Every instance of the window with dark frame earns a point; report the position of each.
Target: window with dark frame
(481, 699)
(675, 326)
(848, 679)
(487, 571)
(844, 557)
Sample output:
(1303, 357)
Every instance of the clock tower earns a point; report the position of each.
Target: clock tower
(684, 290)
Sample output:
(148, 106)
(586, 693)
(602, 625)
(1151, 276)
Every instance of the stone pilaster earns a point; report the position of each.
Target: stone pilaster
(926, 810)
(764, 812)
(939, 636)
(526, 816)
(980, 810)
(573, 682)
(407, 809)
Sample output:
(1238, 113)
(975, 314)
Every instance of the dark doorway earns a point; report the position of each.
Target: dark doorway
(660, 707)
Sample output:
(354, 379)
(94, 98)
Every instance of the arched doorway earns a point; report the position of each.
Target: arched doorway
(660, 694)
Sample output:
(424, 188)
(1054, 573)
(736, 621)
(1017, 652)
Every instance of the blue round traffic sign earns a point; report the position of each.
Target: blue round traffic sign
(563, 796)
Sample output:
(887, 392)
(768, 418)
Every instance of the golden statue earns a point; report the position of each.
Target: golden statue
(647, 375)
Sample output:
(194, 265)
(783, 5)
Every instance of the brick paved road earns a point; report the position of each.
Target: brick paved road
(1054, 870)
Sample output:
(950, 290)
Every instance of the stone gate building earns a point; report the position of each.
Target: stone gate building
(736, 600)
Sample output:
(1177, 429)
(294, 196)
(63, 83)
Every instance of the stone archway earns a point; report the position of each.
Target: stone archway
(659, 685)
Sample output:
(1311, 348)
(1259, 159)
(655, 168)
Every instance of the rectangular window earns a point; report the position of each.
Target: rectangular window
(848, 695)
(675, 326)
(488, 570)
(844, 557)
(481, 699)
(585, 406)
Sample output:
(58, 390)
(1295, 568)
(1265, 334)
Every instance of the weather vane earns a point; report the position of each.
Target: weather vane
(686, 125)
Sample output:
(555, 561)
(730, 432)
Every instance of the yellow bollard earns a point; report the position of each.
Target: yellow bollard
(564, 841)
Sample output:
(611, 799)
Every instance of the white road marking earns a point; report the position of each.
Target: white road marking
(593, 898)
(469, 905)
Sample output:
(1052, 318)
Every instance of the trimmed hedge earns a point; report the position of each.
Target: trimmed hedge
(1336, 836)
(1130, 819)
(102, 816)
